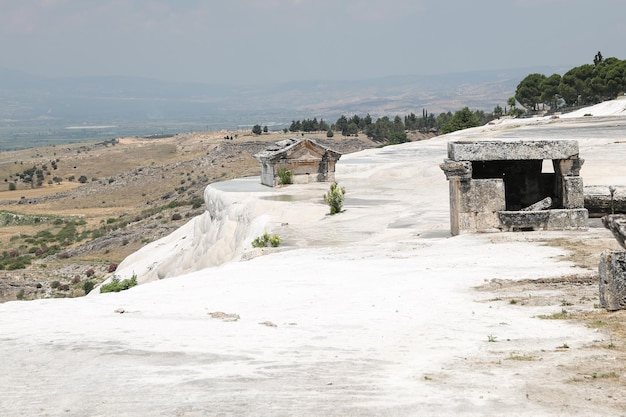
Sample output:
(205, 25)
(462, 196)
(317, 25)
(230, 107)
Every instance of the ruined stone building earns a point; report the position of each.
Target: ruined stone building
(514, 185)
(307, 160)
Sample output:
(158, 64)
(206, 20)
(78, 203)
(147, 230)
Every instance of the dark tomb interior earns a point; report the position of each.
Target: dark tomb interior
(524, 181)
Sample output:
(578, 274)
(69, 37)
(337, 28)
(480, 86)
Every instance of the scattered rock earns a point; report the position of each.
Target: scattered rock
(227, 317)
(268, 324)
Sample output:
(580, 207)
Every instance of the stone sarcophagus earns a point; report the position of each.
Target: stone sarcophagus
(514, 185)
(306, 160)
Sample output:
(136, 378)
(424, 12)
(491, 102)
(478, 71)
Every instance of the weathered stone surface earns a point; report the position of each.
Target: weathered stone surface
(457, 169)
(500, 150)
(544, 204)
(604, 199)
(570, 167)
(483, 196)
(474, 205)
(616, 223)
(612, 271)
(573, 196)
(558, 219)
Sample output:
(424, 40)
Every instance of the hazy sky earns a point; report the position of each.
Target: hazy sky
(267, 41)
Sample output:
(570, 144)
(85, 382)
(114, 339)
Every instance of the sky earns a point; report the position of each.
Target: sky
(273, 41)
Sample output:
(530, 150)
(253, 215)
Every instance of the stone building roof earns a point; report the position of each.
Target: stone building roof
(283, 149)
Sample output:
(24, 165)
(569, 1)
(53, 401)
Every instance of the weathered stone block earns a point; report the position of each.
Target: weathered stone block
(568, 219)
(612, 271)
(616, 223)
(501, 150)
(524, 220)
(604, 199)
(461, 170)
(483, 196)
(570, 167)
(573, 196)
(558, 219)
(544, 204)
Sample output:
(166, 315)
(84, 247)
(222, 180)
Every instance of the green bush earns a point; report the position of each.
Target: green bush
(266, 240)
(334, 198)
(88, 286)
(116, 285)
(285, 175)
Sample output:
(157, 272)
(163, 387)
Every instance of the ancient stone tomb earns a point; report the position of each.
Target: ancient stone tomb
(307, 161)
(514, 185)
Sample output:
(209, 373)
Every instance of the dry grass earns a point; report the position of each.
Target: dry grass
(601, 375)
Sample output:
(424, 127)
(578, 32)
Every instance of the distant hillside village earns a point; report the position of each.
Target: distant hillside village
(587, 84)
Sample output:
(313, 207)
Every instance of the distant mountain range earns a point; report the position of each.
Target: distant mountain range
(129, 101)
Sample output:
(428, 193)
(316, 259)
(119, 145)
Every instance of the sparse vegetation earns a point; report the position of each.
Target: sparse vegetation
(334, 198)
(115, 285)
(285, 175)
(562, 315)
(522, 357)
(266, 240)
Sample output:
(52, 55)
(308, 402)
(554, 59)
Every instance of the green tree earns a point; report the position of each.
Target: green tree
(342, 124)
(511, 102)
(550, 90)
(265, 129)
(334, 198)
(462, 119)
(256, 129)
(329, 133)
(12, 186)
(528, 91)
(497, 111)
(397, 137)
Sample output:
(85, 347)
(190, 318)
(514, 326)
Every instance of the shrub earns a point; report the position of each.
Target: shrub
(88, 286)
(285, 175)
(266, 240)
(176, 216)
(116, 285)
(90, 272)
(334, 198)
(112, 267)
(12, 186)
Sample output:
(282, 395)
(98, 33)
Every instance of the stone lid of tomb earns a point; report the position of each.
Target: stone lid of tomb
(512, 150)
(284, 148)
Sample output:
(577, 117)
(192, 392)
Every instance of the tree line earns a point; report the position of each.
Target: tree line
(586, 84)
(394, 129)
